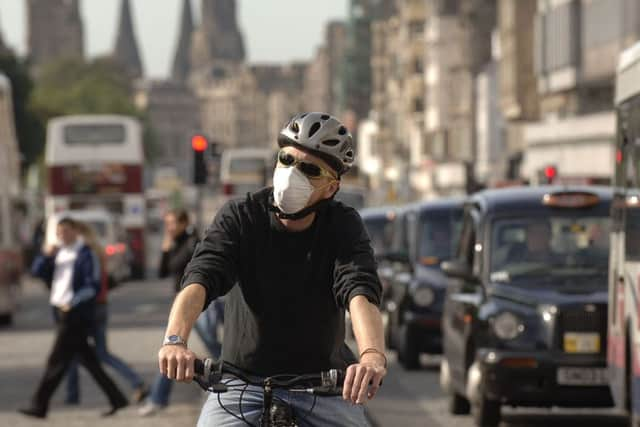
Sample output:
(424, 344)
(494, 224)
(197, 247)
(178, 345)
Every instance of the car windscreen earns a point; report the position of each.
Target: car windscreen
(439, 234)
(380, 230)
(550, 248)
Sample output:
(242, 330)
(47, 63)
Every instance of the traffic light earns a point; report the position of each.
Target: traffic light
(199, 144)
(550, 174)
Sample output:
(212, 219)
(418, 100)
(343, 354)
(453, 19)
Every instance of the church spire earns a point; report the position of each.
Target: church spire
(126, 50)
(220, 26)
(182, 58)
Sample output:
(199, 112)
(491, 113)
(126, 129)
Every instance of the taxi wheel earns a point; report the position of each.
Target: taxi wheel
(408, 354)
(486, 413)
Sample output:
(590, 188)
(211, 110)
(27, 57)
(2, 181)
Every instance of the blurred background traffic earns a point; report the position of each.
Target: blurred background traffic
(116, 112)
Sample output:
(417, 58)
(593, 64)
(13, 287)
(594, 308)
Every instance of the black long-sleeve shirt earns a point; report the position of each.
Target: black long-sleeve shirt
(286, 314)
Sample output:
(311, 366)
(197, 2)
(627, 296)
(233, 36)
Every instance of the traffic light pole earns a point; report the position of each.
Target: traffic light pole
(199, 145)
(199, 209)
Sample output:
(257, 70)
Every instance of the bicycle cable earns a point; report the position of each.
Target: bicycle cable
(244, 420)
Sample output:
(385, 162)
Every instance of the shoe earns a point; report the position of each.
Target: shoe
(115, 408)
(149, 409)
(140, 393)
(33, 412)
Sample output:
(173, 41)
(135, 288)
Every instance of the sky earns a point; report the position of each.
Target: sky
(274, 30)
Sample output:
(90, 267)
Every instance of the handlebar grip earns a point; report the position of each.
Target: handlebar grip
(199, 367)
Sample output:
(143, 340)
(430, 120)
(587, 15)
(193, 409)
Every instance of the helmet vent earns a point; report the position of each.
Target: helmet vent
(304, 115)
(331, 142)
(314, 128)
(294, 127)
(342, 130)
(325, 117)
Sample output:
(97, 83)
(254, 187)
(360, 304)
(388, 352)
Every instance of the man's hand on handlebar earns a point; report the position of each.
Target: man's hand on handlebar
(363, 379)
(176, 362)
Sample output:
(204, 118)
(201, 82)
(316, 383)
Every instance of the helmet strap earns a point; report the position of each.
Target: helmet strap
(301, 213)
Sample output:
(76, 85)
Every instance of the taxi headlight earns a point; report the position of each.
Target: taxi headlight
(507, 326)
(423, 297)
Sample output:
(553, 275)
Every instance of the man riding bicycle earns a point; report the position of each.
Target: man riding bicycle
(290, 260)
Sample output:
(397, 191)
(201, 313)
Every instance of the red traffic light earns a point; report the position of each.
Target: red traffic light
(550, 172)
(199, 143)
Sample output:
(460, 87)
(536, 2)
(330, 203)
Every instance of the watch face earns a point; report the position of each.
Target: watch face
(173, 339)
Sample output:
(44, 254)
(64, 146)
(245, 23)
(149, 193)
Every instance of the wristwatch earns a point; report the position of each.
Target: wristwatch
(174, 340)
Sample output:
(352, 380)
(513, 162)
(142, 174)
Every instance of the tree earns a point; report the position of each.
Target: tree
(29, 127)
(72, 86)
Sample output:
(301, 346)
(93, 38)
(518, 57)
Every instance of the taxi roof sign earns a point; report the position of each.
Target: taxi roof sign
(570, 199)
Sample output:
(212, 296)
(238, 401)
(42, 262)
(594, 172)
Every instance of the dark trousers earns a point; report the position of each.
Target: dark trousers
(72, 341)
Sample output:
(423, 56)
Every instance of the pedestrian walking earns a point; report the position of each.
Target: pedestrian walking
(99, 334)
(69, 272)
(178, 245)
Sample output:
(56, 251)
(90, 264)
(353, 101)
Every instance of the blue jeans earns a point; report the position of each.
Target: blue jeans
(205, 326)
(328, 411)
(161, 390)
(100, 338)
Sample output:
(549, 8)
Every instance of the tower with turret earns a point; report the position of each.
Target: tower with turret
(126, 51)
(55, 31)
(217, 46)
(182, 59)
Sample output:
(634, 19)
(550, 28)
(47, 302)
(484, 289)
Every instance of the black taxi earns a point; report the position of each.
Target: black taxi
(425, 236)
(380, 225)
(525, 316)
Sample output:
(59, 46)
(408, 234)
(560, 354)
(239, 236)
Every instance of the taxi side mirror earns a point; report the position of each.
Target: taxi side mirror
(458, 270)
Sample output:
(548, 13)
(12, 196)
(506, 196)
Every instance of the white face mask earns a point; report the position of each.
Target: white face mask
(291, 189)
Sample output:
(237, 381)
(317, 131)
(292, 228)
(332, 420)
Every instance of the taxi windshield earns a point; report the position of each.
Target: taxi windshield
(556, 247)
(439, 233)
(380, 230)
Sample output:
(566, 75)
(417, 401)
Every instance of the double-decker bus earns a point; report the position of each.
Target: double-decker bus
(624, 266)
(96, 161)
(10, 253)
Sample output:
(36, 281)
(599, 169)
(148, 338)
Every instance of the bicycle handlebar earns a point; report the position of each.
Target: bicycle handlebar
(330, 381)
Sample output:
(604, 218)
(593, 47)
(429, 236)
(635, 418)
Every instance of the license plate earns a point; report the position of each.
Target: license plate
(583, 376)
(575, 342)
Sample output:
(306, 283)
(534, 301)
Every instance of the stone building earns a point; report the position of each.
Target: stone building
(576, 46)
(174, 114)
(217, 46)
(55, 31)
(519, 103)
(9, 151)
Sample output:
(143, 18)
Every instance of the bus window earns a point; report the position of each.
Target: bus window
(94, 134)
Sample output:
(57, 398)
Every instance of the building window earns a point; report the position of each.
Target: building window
(557, 38)
(418, 105)
(416, 28)
(418, 66)
(602, 21)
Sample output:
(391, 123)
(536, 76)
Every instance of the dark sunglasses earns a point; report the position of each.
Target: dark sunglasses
(310, 170)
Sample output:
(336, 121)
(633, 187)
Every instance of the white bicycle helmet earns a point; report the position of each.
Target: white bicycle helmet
(322, 135)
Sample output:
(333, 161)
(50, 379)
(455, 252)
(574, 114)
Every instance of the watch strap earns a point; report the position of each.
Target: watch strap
(174, 340)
